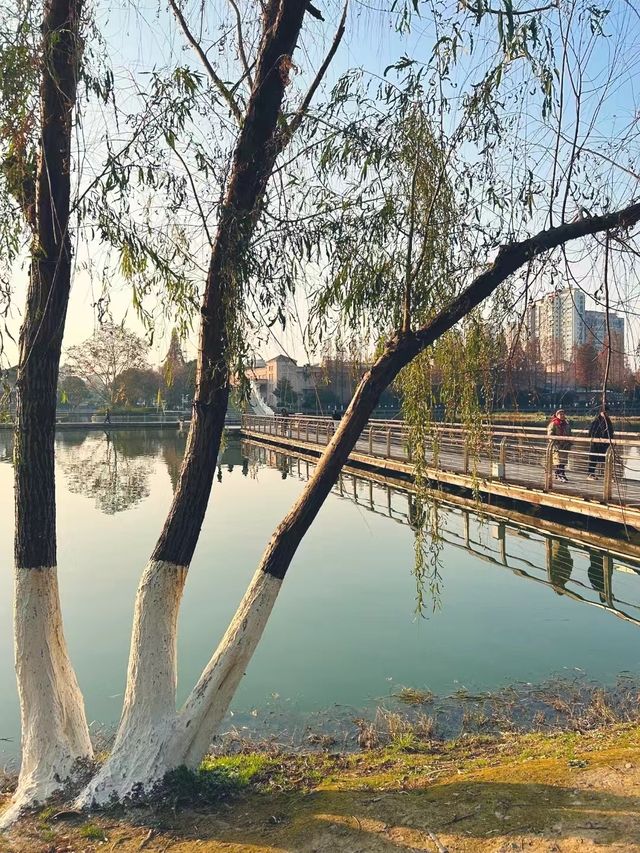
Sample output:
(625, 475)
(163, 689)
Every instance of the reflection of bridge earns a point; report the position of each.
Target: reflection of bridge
(582, 565)
(505, 462)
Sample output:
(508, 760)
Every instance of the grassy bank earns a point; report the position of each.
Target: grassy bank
(537, 792)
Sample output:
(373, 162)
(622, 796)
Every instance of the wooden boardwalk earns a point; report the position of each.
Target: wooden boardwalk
(511, 463)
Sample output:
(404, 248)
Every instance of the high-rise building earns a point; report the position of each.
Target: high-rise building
(596, 328)
(560, 323)
(557, 321)
(598, 331)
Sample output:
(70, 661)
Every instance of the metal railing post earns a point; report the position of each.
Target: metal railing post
(502, 460)
(548, 468)
(609, 463)
(465, 458)
(317, 432)
(370, 441)
(388, 456)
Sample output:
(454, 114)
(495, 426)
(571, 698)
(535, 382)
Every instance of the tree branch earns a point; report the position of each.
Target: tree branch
(217, 82)
(481, 9)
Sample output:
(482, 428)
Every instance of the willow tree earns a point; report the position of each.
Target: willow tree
(55, 735)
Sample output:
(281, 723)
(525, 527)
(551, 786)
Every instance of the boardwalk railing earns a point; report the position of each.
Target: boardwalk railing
(608, 473)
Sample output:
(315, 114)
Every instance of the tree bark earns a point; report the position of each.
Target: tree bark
(54, 729)
(210, 699)
(149, 719)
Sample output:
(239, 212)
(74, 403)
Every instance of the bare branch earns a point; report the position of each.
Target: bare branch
(406, 327)
(195, 44)
(241, 50)
(195, 193)
(300, 114)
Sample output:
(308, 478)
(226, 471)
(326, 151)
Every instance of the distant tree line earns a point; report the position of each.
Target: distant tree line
(111, 368)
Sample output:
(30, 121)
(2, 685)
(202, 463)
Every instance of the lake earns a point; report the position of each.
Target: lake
(514, 604)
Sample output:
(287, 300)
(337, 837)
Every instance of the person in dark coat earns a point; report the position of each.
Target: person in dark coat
(601, 434)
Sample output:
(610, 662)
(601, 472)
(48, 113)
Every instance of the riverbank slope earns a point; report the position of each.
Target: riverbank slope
(554, 792)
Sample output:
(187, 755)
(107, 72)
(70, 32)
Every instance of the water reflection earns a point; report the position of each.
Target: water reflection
(566, 560)
(113, 471)
(6, 445)
(172, 452)
(114, 466)
(559, 564)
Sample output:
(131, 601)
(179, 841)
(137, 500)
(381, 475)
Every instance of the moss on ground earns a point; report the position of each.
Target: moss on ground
(533, 792)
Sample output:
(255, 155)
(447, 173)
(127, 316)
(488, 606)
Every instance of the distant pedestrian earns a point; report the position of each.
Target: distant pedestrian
(107, 417)
(601, 434)
(560, 430)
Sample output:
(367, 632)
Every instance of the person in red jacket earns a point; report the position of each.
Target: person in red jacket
(559, 428)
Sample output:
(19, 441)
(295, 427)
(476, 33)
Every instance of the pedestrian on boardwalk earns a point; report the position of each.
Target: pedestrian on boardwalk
(107, 417)
(601, 435)
(560, 429)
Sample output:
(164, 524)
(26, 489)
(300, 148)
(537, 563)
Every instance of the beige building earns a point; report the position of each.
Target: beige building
(283, 375)
(293, 382)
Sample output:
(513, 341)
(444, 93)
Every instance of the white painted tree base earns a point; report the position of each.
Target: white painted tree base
(153, 739)
(209, 701)
(55, 735)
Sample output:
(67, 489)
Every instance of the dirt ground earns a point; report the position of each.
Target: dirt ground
(563, 792)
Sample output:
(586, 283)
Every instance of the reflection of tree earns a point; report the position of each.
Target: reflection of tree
(111, 468)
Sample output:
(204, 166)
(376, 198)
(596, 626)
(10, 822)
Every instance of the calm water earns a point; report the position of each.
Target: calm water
(344, 631)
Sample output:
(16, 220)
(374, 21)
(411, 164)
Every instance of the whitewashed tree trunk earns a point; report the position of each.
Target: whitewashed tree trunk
(209, 701)
(55, 736)
(138, 757)
(145, 745)
(152, 738)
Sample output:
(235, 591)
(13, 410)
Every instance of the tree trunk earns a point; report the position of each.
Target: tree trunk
(210, 699)
(149, 712)
(54, 729)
